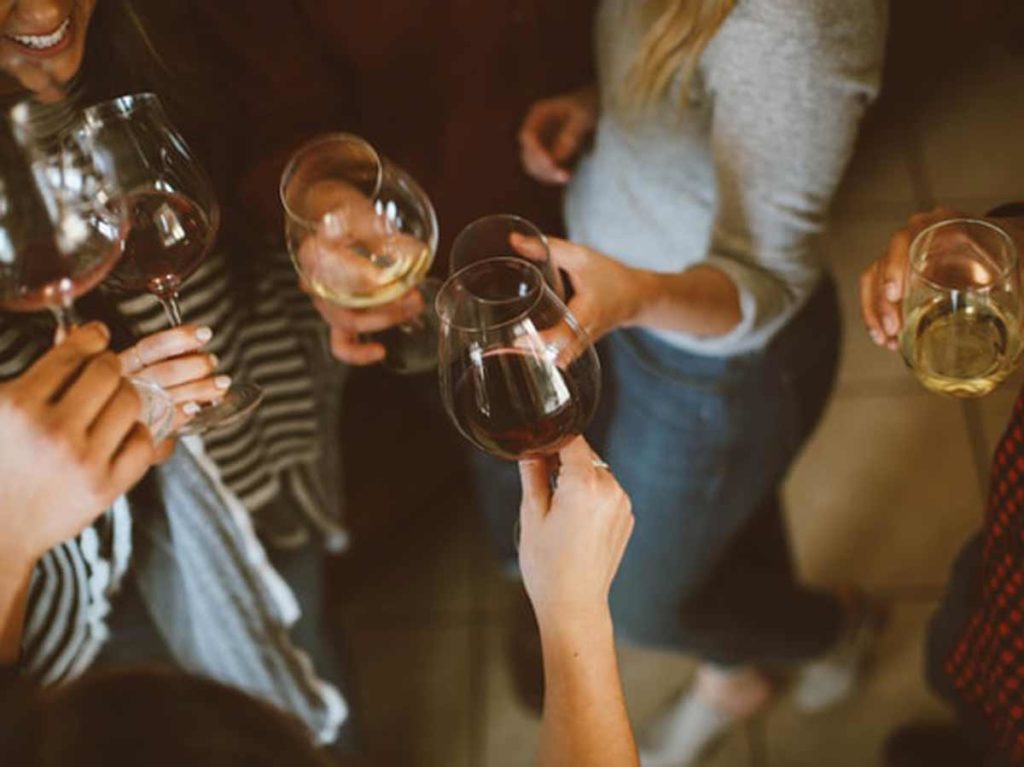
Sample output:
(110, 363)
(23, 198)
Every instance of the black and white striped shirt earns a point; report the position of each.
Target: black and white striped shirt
(268, 334)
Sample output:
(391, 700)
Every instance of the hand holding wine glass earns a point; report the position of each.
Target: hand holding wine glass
(519, 377)
(72, 439)
(362, 235)
(173, 216)
(962, 309)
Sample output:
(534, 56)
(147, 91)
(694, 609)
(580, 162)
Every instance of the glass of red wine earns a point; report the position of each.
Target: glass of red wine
(504, 235)
(173, 216)
(519, 376)
(62, 230)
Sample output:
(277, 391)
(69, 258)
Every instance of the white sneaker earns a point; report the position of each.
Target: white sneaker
(678, 736)
(831, 679)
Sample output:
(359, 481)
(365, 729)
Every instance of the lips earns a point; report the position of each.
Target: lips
(47, 43)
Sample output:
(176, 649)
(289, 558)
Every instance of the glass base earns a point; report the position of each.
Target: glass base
(157, 412)
(238, 402)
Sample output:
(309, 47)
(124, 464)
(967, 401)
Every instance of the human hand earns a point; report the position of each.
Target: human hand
(554, 132)
(884, 283)
(348, 326)
(71, 444)
(571, 539)
(173, 360)
(606, 293)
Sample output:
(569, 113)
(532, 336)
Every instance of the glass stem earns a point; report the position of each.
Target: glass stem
(64, 316)
(171, 307)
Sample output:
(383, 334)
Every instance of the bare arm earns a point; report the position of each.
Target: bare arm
(571, 544)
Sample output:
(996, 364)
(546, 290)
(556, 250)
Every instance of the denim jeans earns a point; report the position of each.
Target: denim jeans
(701, 444)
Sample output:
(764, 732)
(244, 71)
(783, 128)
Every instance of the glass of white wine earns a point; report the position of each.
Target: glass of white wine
(962, 310)
(362, 233)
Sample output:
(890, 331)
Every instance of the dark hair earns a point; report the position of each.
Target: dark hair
(152, 717)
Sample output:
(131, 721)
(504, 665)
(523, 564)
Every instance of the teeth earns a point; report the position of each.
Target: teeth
(41, 42)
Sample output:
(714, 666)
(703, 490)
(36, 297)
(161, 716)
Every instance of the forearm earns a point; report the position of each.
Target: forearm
(702, 301)
(15, 578)
(585, 721)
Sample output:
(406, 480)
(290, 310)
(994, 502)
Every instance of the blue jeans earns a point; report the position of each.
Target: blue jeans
(701, 445)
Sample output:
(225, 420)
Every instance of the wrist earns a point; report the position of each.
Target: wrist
(643, 288)
(561, 625)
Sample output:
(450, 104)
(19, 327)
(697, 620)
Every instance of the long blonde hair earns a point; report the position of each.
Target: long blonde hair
(677, 32)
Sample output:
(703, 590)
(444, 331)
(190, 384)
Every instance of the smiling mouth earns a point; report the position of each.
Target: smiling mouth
(43, 43)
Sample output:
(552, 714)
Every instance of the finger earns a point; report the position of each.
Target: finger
(570, 138)
(536, 156)
(348, 348)
(535, 477)
(868, 312)
(113, 424)
(567, 255)
(208, 389)
(578, 456)
(532, 248)
(890, 283)
(86, 398)
(179, 371)
(356, 321)
(542, 167)
(165, 345)
(50, 374)
(131, 461)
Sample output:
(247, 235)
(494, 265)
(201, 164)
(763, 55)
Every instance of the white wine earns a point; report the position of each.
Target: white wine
(962, 348)
(363, 278)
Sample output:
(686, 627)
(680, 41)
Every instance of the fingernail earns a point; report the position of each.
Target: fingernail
(191, 408)
(204, 334)
(890, 325)
(214, 360)
(892, 291)
(222, 382)
(877, 337)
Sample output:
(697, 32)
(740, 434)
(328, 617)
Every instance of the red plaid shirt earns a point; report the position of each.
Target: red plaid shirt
(986, 665)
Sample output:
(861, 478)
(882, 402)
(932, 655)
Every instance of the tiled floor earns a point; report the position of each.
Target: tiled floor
(883, 497)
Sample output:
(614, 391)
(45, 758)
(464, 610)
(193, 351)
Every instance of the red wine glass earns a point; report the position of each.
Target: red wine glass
(519, 376)
(173, 216)
(504, 235)
(62, 230)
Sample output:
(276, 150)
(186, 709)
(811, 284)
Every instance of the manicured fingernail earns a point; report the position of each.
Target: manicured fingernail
(222, 382)
(204, 334)
(890, 325)
(191, 408)
(877, 337)
(214, 360)
(892, 291)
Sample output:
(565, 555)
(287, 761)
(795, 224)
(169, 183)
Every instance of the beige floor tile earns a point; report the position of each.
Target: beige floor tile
(885, 493)
(851, 735)
(878, 181)
(412, 689)
(652, 679)
(971, 132)
(511, 733)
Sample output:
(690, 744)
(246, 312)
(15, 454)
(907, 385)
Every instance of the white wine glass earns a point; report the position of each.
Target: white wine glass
(962, 310)
(362, 233)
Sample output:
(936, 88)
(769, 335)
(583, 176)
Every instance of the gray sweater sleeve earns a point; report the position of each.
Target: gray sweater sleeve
(790, 81)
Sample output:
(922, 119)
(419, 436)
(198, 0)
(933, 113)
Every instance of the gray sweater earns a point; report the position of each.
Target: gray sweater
(741, 178)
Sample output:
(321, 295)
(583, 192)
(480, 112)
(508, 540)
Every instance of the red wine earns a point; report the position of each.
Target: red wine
(42, 276)
(168, 236)
(515, 404)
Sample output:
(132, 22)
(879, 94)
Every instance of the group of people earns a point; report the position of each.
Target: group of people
(699, 144)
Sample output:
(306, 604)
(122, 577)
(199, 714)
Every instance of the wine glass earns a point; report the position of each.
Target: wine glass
(962, 311)
(519, 376)
(61, 232)
(496, 236)
(173, 216)
(362, 233)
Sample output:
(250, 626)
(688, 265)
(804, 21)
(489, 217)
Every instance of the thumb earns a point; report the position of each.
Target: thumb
(567, 255)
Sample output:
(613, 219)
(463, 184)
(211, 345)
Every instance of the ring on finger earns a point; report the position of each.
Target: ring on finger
(597, 463)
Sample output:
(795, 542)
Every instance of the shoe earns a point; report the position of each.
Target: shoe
(524, 654)
(930, 745)
(825, 682)
(692, 724)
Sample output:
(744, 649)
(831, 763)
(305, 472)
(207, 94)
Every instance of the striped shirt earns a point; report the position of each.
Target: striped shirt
(268, 334)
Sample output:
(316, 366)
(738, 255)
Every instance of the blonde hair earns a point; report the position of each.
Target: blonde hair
(677, 32)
